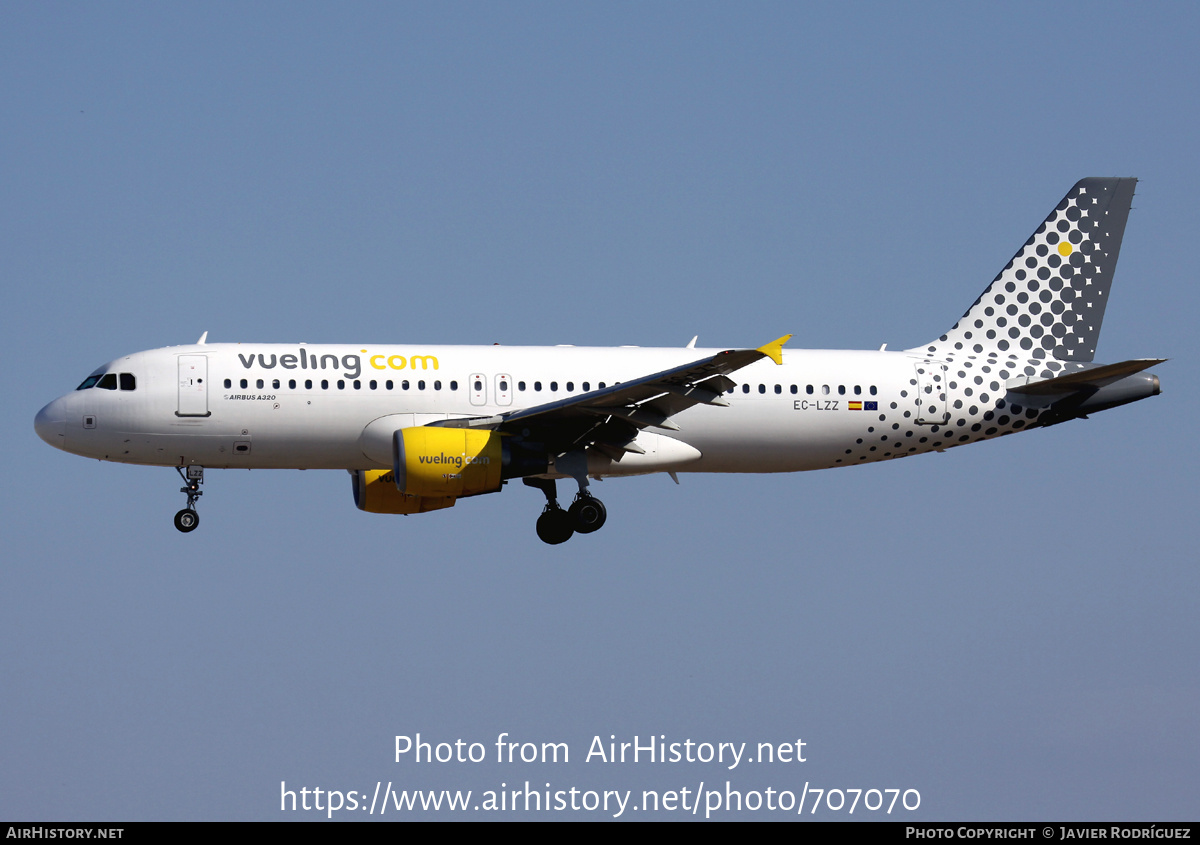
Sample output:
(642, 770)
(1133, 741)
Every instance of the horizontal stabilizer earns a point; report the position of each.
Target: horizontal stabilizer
(1093, 378)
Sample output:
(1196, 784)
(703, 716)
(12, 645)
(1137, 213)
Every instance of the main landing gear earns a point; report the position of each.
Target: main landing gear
(187, 519)
(555, 525)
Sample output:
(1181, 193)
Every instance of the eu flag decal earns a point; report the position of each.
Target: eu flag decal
(870, 406)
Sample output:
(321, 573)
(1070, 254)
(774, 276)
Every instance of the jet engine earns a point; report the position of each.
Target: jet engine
(435, 462)
(375, 492)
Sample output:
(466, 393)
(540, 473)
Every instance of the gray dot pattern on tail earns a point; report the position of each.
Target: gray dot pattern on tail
(1049, 300)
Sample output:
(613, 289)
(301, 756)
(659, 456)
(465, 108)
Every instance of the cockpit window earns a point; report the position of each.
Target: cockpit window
(128, 382)
(90, 381)
(108, 381)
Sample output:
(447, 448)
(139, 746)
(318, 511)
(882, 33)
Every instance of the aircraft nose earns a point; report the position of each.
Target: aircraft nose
(51, 424)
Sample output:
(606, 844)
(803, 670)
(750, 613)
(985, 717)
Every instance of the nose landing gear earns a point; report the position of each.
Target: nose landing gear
(187, 519)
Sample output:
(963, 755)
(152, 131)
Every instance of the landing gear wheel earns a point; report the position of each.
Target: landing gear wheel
(587, 514)
(187, 520)
(555, 526)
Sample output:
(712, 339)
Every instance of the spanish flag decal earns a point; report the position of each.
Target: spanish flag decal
(856, 406)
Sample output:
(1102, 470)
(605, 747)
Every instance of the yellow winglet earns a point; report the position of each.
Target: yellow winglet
(774, 349)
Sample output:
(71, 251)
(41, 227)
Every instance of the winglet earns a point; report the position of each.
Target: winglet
(203, 339)
(774, 349)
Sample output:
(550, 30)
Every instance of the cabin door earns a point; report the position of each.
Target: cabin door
(193, 386)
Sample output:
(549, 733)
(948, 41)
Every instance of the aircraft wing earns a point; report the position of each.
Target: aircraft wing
(610, 418)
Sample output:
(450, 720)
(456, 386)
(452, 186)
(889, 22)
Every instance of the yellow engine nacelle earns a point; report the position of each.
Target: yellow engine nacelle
(437, 462)
(375, 492)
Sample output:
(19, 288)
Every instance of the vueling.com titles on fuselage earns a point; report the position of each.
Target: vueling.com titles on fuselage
(351, 364)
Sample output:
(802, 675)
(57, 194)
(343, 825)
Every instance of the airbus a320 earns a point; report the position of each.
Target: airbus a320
(420, 427)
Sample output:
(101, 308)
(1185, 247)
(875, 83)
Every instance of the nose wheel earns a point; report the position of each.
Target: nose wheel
(187, 519)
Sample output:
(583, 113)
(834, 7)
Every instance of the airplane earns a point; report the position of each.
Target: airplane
(420, 427)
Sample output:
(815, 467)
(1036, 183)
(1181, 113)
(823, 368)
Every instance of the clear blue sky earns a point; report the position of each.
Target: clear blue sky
(1009, 628)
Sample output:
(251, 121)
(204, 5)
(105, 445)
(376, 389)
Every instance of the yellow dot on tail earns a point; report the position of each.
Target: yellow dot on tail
(1064, 248)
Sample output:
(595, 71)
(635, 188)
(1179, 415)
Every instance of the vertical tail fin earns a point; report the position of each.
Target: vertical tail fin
(1050, 298)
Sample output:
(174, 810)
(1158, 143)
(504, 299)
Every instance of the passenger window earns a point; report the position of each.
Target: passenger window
(601, 385)
(357, 384)
(244, 384)
(795, 389)
(291, 384)
(537, 385)
(503, 385)
(521, 385)
(745, 388)
(275, 384)
(374, 384)
(841, 390)
(778, 388)
(454, 385)
(308, 384)
(858, 390)
(108, 381)
(808, 388)
(872, 390)
(324, 384)
(388, 384)
(570, 386)
(228, 383)
(762, 388)
(437, 385)
(341, 384)
(478, 384)
(259, 384)
(404, 385)
(90, 381)
(421, 384)
(824, 390)
(554, 386)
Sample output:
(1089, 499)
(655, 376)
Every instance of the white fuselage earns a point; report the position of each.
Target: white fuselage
(294, 406)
